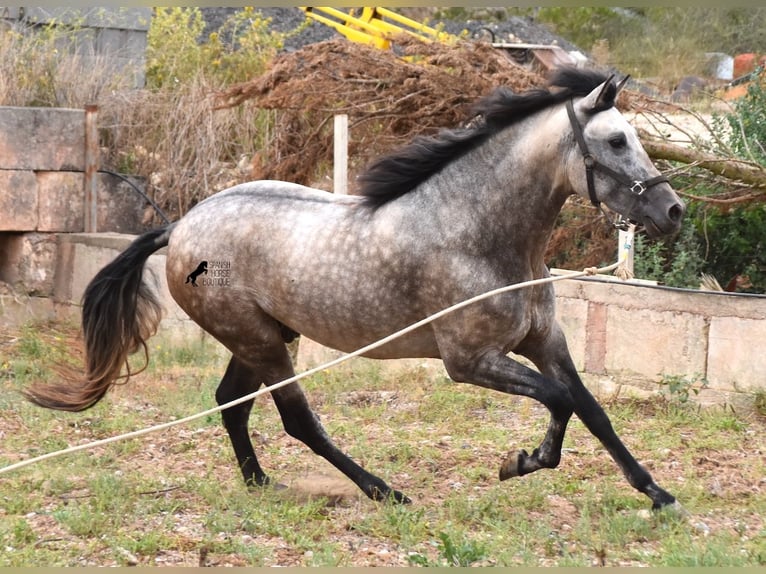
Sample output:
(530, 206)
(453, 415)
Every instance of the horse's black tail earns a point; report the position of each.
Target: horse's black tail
(119, 313)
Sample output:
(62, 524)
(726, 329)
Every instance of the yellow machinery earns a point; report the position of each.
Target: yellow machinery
(374, 26)
(378, 26)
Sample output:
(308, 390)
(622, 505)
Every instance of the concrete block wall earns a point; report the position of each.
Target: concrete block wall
(640, 335)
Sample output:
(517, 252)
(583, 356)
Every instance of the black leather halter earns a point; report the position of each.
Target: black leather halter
(635, 186)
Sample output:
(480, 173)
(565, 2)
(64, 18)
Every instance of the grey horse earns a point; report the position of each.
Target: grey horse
(443, 219)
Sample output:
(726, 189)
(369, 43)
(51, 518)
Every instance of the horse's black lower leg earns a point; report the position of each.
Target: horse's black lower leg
(497, 371)
(595, 419)
(239, 381)
(554, 360)
(301, 423)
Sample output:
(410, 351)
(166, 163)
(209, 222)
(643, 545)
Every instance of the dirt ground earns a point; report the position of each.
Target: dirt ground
(728, 475)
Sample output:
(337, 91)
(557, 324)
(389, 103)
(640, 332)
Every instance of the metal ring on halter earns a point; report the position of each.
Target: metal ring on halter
(638, 187)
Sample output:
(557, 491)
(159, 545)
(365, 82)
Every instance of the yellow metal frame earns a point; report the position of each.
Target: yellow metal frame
(370, 27)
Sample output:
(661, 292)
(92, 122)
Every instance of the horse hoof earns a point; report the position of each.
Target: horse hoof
(512, 464)
(392, 496)
(400, 498)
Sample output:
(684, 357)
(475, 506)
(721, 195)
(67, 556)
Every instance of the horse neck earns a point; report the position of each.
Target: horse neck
(514, 185)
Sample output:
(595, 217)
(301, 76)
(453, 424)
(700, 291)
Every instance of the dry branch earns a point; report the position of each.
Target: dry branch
(389, 99)
(749, 175)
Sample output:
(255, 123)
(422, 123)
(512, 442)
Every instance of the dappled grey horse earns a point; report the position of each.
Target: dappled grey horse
(440, 220)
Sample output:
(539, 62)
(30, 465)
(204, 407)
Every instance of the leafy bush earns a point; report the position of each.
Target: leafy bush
(177, 53)
(726, 241)
(196, 150)
(736, 243)
(747, 134)
(676, 263)
(735, 237)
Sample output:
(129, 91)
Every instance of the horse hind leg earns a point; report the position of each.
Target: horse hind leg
(238, 381)
(301, 423)
(298, 419)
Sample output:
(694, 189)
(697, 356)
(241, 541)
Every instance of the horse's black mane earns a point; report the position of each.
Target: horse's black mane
(401, 171)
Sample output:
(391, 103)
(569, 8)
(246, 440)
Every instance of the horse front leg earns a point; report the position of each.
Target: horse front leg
(495, 370)
(553, 359)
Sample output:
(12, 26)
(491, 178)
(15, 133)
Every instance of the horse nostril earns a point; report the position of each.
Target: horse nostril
(676, 212)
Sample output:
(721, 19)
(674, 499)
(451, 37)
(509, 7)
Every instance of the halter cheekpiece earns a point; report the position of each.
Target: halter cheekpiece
(635, 186)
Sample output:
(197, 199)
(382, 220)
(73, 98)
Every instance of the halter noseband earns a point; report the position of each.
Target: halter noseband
(635, 186)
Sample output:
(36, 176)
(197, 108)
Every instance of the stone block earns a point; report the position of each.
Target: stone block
(18, 200)
(737, 354)
(652, 343)
(61, 203)
(42, 139)
(60, 199)
(572, 316)
(27, 262)
(120, 208)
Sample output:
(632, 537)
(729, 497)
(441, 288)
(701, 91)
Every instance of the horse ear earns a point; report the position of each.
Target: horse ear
(601, 98)
(622, 83)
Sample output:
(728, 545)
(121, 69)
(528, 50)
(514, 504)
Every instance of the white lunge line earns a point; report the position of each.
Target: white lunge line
(334, 362)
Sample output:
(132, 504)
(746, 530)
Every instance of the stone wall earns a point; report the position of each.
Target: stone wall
(113, 35)
(642, 335)
(42, 193)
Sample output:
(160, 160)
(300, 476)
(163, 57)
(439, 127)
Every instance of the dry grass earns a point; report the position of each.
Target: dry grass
(186, 148)
(39, 67)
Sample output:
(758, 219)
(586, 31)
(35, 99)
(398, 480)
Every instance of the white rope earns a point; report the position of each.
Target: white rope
(334, 362)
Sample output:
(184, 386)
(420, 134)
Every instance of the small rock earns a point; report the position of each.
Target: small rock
(129, 557)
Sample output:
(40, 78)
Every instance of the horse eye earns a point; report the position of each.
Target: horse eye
(618, 141)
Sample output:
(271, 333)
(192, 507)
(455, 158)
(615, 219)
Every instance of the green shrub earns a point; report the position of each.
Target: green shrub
(176, 52)
(747, 123)
(675, 262)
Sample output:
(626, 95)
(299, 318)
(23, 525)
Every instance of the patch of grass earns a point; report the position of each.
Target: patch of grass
(454, 549)
(177, 496)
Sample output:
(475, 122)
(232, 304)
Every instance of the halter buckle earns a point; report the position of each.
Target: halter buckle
(588, 160)
(638, 187)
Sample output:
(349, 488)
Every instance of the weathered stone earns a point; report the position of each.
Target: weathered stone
(18, 200)
(27, 262)
(572, 314)
(653, 342)
(42, 139)
(737, 353)
(60, 198)
(120, 207)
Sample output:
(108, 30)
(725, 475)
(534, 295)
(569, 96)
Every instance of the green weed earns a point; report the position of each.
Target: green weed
(453, 550)
(679, 389)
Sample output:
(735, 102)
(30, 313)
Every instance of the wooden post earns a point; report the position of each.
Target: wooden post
(340, 155)
(90, 179)
(625, 248)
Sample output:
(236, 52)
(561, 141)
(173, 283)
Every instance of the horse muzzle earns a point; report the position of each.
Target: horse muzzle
(660, 217)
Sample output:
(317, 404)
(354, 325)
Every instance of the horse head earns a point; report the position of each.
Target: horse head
(609, 165)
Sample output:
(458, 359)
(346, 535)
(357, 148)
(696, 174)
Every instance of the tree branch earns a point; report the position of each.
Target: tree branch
(739, 171)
